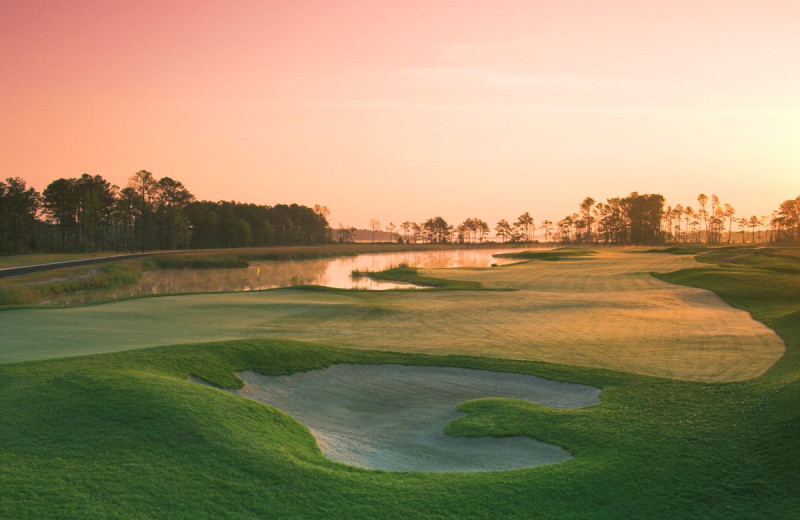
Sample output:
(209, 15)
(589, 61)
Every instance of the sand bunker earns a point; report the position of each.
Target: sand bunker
(392, 417)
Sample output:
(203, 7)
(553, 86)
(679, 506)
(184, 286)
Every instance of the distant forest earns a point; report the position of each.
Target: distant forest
(89, 214)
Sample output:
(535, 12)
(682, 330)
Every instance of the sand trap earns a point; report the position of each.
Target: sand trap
(391, 417)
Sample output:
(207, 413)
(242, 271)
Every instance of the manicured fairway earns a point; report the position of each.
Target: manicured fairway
(605, 311)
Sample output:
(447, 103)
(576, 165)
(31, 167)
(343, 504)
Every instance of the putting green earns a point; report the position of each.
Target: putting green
(606, 311)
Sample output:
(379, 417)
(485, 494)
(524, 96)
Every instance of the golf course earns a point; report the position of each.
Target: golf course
(657, 383)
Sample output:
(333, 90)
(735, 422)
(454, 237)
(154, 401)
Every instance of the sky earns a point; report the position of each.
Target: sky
(406, 110)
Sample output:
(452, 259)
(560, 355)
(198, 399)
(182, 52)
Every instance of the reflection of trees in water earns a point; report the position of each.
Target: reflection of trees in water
(329, 272)
(273, 274)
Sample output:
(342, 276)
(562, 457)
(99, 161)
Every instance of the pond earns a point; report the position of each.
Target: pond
(329, 272)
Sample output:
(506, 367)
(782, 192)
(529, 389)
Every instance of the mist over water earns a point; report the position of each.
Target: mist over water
(328, 272)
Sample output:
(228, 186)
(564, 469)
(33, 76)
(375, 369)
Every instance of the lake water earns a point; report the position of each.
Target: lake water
(329, 272)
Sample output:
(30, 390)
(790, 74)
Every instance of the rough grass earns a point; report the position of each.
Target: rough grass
(105, 276)
(607, 313)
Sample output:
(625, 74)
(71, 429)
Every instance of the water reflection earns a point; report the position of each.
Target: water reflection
(329, 272)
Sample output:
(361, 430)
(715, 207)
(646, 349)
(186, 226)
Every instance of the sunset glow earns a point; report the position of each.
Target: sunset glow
(405, 110)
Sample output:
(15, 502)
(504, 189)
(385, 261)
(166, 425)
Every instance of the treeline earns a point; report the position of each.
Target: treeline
(643, 219)
(635, 219)
(89, 214)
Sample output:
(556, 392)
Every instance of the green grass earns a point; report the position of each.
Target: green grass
(106, 276)
(564, 253)
(694, 249)
(406, 274)
(124, 435)
(609, 311)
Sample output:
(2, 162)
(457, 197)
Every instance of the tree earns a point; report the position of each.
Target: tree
(173, 198)
(503, 229)
(644, 217)
(374, 225)
(95, 206)
(405, 226)
(524, 224)
(437, 229)
(390, 228)
(547, 227)
(788, 220)
(146, 187)
(702, 199)
(416, 230)
(729, 213)
(677, 216)
(742, 223)
(345, 234)
(586, 212)
(322, 213)
(688, 212)
(60, 203)
(753, 223)
(482, 229)
(18, 207)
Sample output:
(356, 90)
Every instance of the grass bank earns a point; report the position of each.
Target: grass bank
(106, 276)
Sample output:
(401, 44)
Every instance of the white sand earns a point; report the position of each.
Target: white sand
(391, 417)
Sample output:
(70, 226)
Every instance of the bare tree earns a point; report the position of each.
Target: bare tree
(374, 225)
(547, 227)
(406, 226)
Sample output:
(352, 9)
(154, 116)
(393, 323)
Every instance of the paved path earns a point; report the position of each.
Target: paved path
(25, 269)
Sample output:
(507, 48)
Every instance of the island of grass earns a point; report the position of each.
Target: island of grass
(564, 253)
(411, 276)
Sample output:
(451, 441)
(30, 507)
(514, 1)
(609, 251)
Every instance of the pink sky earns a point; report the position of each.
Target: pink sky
(407, 110)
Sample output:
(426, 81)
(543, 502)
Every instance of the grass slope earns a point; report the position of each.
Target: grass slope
(124, 435)
(607, 312)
